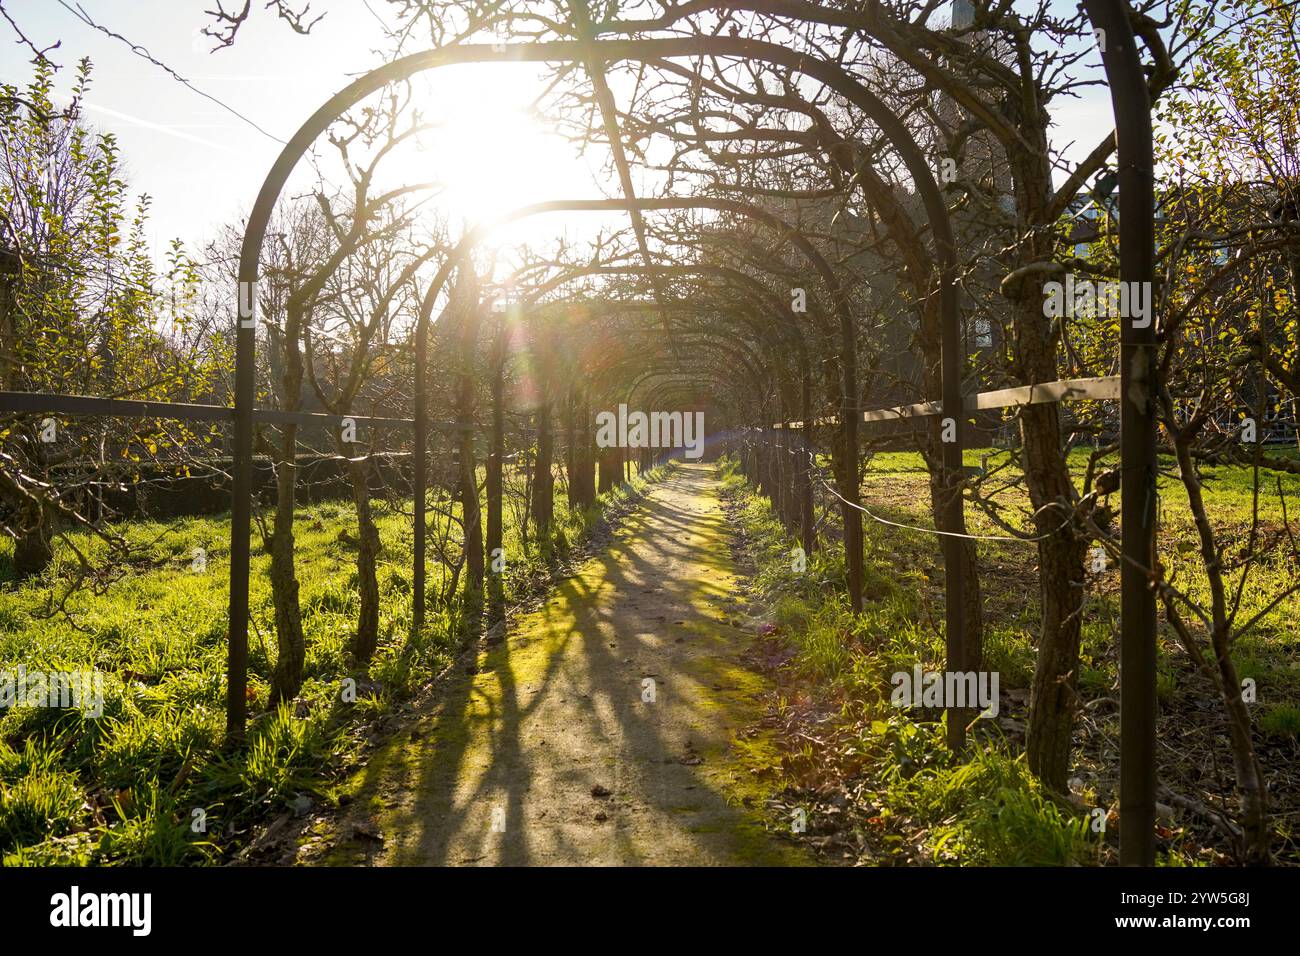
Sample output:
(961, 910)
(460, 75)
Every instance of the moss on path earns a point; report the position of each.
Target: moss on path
(553, 753)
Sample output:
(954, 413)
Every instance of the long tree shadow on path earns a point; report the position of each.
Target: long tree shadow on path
(600, 731)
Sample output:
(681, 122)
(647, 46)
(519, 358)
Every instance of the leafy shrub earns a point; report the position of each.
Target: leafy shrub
(991, 812)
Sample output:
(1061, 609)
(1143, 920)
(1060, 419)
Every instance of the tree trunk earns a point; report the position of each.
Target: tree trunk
(366, 639)
(32, 550)
(473, 517)
(467, 293)
(544, 475)
(584, 457)
(495, 497)
(571, 446)
(846, 477)
(611, 468)
(1251, 791)
(804, 470)
(1060, 568)
(605, 478)
(291, 649)
(497, 449)
(1062, 550)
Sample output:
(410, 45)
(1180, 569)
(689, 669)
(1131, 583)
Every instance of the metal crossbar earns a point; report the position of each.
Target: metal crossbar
(1105, 388)
(87, 405)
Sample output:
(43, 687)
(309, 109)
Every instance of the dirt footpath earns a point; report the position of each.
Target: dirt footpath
(615, 725)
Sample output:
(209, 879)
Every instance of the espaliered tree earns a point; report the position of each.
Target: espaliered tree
(542, 350)
(494, 525)
(1001, 84)
(320, 238)
(467, 309)
(1228, 236)
(356, 337)
(1010, 106)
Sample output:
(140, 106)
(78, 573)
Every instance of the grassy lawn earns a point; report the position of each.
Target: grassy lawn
(913, 804)
(147, 782)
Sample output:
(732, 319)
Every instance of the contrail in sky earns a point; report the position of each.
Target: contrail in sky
(149, 124)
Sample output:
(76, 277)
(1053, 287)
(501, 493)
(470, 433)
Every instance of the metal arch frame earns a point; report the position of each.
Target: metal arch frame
(746, 286)
(738, 351)
(1130, 102)
(658, 386)
(748, 362)
(576, 52)
(755, 372)
(848, 345)
(754, 292)
(766, 331)
(751, 293)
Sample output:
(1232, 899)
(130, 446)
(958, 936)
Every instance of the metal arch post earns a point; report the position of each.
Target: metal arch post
(757, 213)
(646, 49)
(1130, 99)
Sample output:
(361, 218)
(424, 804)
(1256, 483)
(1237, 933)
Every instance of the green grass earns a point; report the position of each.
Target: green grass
(130, 786)
(990, 810)
(1267, 653)
(1281, 720)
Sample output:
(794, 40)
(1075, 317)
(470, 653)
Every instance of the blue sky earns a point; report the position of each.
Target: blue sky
(203, 166)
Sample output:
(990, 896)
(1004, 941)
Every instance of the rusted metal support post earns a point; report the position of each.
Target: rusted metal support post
(241, 494)
(421, 478)
(1137, 652)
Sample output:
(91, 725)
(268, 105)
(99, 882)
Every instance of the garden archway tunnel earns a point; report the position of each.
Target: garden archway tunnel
(1129, 97)
(607, 50)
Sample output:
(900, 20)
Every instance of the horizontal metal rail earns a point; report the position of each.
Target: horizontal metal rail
(1105, 388)
(88, 405)
(46, 403)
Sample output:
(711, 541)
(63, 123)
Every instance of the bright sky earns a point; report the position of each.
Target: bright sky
(203, 166)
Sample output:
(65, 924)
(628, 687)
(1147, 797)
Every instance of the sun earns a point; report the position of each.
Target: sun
(489, 150)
